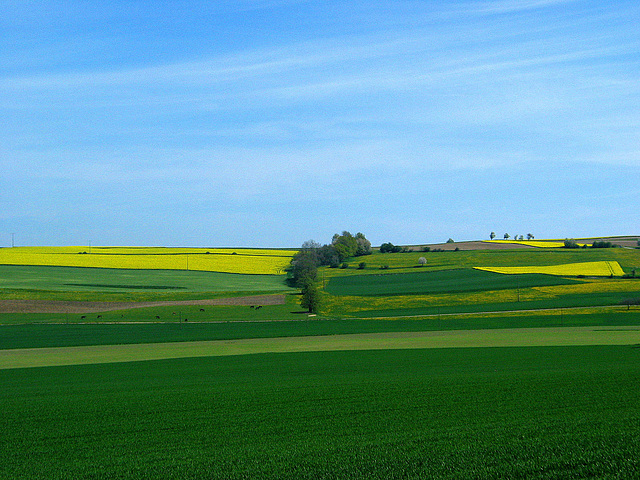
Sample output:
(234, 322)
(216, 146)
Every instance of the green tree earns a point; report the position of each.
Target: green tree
(345, 245)
(364, 245)
(310, 297)
(304, 266)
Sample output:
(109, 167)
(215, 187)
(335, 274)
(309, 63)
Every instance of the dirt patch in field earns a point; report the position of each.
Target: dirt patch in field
(471, 246)
(56, 306)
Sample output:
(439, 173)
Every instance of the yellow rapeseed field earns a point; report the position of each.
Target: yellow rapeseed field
(246, 261)
(587, 269)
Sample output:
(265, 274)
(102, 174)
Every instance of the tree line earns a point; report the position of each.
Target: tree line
(303, 269)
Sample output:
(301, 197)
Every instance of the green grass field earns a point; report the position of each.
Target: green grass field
(43, 282)
(541, 412)
(439, 281)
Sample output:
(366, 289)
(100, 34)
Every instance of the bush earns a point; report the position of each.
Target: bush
(571, 243)
(602, 244)
(344, 265)
(426, 249)
(384, 267)
(390, 248)
(362, 266)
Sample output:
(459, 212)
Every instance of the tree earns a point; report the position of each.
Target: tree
(390, 248)
(422, 261)
(363, 245)
(570, 243)
(451, 240)
(310, 297)
(492, 235)
(530, 237)
(304, 265)
(506, 236)
(345, 245)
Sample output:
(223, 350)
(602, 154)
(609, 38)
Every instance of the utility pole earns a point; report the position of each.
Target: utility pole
(13, 237)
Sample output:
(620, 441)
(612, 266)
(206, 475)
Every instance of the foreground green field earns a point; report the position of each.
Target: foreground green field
(537, 412)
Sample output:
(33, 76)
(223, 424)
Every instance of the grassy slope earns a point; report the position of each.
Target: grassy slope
(519, 337)
(544, 413)
(99, 284)
(406, 292)
(33, 335)
(440, 281)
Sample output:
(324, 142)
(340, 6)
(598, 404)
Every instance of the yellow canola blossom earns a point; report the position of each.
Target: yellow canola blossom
(588, 269)
(231, 261)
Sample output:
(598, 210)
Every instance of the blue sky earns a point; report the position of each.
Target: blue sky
(270, 122)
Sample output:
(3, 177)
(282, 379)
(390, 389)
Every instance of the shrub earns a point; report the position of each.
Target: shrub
(602, 244)
(571, 243)
(384, 267)
(344, 265)
(362, 266)
(390, 248)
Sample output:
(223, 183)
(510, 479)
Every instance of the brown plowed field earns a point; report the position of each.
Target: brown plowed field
(55, 306)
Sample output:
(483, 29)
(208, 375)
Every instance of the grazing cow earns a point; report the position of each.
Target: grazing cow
(83, 316)
(202, 309)
(158, 317)
(259, 306)
(252, 306)
(186, 319)
(99, 316)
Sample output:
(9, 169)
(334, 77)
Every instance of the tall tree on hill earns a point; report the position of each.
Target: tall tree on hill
(345, 245)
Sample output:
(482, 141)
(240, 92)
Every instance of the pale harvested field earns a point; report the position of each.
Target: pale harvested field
(55, 306)
(473, 246)
(520, 337)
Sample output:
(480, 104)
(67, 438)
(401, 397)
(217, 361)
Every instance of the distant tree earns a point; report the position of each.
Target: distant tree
(345, 245)
(310, 297)
(363, 245)
(601, 244)
(303, 267)
(492, 235)
(570, 243)
(506, 236)
(426, 249)
(390, 248)
(530, 237)
(422, 261)
(362, 266)
(630, 301)
(451, 240)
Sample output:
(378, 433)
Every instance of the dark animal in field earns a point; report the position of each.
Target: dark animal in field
(99, 316)
(259, 306)
(83, 316)
(186, 319)
(252, 306)
(158, 316)
(202, 309)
